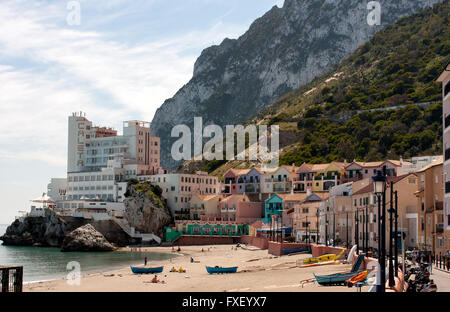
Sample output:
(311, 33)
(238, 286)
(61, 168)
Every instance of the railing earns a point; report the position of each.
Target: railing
(11, 279)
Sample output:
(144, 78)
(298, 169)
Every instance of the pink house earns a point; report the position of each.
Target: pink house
(231, 180)
(358, 170)
(241, 208)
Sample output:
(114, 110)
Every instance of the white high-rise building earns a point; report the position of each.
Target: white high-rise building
(91, 147)
(99, 163)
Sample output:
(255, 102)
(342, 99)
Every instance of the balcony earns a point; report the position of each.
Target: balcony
(301, 179)
(439, 228)
(252, 188)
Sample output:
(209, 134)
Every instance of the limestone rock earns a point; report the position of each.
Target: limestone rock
(145, 211)
(283, 50)
(86, 238)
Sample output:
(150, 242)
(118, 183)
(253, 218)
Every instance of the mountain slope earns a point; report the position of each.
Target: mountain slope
(283, 50)
(381, 102)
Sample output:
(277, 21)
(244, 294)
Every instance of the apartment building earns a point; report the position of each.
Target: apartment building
(305, 219)
(242, 208)
(179, 188)
(257, 180)
(430, 200)
(205, 207)
(444, 78)
(365, 211)
(317, 177)
(90, 147)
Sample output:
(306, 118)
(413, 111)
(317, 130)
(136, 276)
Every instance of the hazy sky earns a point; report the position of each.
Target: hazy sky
(123, 60)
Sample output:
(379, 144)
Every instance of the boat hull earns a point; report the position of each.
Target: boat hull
(220, 270)
(333, 279)
(136, 270)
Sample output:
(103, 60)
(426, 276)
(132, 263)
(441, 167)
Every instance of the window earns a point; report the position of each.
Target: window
(447, 89)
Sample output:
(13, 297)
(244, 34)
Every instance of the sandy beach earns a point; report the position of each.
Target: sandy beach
(258, 272)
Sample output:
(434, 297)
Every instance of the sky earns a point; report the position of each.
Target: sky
(120, 62)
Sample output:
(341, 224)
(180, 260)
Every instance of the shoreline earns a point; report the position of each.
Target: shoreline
(99, 271)
(258, 271)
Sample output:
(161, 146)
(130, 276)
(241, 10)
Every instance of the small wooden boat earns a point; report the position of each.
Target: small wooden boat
(360, 277)
(333, 279)
(323, 258)
(290, 251)
(220, 270)
(318, 264)
(137, 270)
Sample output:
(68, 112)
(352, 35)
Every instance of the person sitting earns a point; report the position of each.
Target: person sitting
(155, 280)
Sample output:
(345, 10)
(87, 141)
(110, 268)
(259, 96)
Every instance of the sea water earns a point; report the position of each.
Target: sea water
(42, 263)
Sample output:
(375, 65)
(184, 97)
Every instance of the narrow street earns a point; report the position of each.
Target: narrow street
(442, 280)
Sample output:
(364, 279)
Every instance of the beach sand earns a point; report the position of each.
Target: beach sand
(258, 272)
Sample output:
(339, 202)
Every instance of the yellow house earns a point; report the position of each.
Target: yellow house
(327, 175)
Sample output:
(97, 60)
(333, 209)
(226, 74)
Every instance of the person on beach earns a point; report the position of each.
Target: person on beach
(155, 280)
(145, 261)
(179, 249)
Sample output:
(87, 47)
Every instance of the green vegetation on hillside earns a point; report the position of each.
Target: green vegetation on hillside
(334, 114)
(397, 67)
(153, 192)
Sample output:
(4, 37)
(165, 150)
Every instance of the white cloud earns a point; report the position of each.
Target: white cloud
(73, 70)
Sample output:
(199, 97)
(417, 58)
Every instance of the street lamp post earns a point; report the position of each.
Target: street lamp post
(367, 230)
(317, 227)
(363, 230)
(346, 235)
(396, 234)
(326, 230)
(356, 231)
(334, 228)
(379, 182)
(391, 230)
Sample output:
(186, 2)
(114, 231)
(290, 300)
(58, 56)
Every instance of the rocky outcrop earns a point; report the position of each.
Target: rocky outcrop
(86, 238)
(281, 51)
(144, 209)
(50, 230)
(46, 231)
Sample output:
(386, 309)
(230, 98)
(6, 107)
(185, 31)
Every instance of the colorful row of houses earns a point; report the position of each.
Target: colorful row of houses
(350, 213)
(307, 177)
(335, 199)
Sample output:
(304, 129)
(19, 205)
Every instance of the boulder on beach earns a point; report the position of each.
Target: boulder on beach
(86, 238)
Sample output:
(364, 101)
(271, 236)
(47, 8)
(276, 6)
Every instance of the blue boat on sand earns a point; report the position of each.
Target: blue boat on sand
(221, 270)
(137, 270)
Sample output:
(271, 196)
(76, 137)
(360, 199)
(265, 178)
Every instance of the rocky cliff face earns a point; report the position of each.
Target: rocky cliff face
(283, 50)
(51, 230)
(145, 211)
(40, 231)
(86, 238)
